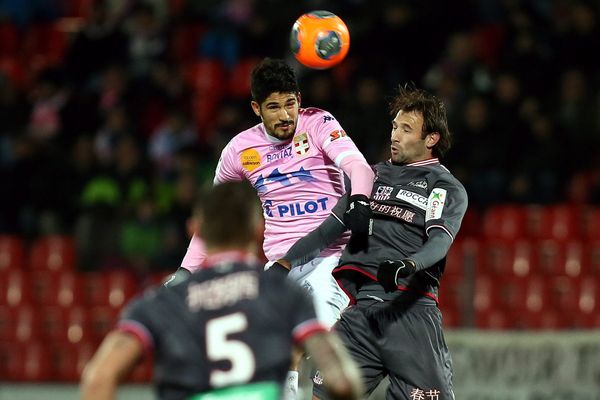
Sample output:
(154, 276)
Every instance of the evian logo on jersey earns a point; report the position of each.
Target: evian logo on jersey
(413, 198)
(435, 205)
(301, 145)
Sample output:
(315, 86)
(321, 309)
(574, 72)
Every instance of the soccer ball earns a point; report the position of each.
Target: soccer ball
(320, 39)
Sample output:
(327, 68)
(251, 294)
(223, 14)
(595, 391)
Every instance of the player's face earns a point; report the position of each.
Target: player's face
(279, 113)
(407, 144)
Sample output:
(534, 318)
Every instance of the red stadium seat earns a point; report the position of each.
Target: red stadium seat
(12, 253)
(504, 222)
(551, 257)
(471, 224)
(53, 253)
(19, 324)
(67, 325)
(112, 289)
(206, 77)
(560, 222)
(592, 256)
(15, 288)
(504, 257)
(63, 288)
(68, 360)
(25, 362)
(239, 80)
(102, 319)
(9, 39)
(494, 319)
(184, 41)
(591, 222)
(464, 256)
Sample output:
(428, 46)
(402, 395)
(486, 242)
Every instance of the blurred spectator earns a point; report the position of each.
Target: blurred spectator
(173, 135)
(116, 127)
(147, 40)
(99, 44)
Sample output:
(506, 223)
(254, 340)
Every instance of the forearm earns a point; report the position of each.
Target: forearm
(312, 244)
(433, 250)
(360, 173)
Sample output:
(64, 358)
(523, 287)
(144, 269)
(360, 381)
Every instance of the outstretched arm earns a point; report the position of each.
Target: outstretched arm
(116, 356)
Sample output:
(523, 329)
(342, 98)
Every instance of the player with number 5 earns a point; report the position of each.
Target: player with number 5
(227, 331)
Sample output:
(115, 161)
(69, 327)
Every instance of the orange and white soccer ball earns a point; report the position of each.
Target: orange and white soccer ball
(319, 39)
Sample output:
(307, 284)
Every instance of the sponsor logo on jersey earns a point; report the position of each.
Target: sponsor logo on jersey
(383, 193)
(435, 204)
(393, 211)
(419, 184)
(281, 154)
(250, 159)
(301, 145)
(335, 135)
(413, 198)
(327, 118)
(294, 209)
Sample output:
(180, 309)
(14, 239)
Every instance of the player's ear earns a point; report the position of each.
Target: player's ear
(432, 139)
(299, 98)
(255, 108)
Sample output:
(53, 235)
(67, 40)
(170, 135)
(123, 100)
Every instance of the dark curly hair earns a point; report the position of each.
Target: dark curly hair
(272, 76)
(409, 98)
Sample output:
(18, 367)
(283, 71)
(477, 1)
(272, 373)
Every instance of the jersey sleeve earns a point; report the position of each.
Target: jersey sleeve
(303, 318)
(340, 207)
(446, 207)
(137, 321)
(331, 138)
(229, 167)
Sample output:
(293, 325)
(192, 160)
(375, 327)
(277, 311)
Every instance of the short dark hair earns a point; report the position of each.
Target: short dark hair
(271, 76)
(230, 213)
(409, 98)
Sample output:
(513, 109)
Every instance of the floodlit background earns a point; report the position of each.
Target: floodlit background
(113, 113)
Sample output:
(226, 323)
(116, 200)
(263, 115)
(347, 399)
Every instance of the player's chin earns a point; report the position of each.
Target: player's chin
(284, 133)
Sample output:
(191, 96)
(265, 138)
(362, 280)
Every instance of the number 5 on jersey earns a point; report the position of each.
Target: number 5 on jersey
(238, 353)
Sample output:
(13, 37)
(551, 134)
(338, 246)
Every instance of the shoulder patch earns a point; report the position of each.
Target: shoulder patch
(435, 204)
(337, 134)
(250, 159)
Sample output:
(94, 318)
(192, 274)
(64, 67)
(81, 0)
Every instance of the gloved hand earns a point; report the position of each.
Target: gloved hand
(359, 219)
(389, 271)
(358, 216)
(277, 268)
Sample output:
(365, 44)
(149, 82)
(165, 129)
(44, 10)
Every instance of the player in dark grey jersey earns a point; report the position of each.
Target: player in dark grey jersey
(392, 277)
(227, 331)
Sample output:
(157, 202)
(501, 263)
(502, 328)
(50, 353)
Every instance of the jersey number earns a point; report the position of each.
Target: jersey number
(238, 353)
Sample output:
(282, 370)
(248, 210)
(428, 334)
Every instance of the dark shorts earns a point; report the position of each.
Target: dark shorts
(407, 344)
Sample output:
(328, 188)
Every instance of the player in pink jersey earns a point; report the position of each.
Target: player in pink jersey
(296, 159)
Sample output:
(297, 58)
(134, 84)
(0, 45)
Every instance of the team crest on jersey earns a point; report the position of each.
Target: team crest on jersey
(419, 184)
(335, 135)
(383, 193)
(250, 159)
(435, 204)
(301, 145)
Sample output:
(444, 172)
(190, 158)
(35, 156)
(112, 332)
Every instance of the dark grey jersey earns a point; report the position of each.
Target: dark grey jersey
(408, 201)
(224, 326)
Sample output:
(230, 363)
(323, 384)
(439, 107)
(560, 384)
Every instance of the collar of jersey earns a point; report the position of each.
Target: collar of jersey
(233, 256)
(429, 161)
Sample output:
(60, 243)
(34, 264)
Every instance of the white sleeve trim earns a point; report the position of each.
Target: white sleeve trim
(344, 154)
(442, 227)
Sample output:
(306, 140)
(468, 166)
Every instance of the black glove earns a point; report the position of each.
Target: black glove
(389, 272)
(277, 269)
(358, 216)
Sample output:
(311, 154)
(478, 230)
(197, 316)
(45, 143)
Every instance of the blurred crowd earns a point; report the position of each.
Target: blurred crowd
(114, 112)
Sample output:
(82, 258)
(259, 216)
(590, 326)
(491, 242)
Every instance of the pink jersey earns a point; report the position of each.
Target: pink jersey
(297, 180)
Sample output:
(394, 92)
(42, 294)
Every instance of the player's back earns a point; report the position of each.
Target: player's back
(225, 326)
